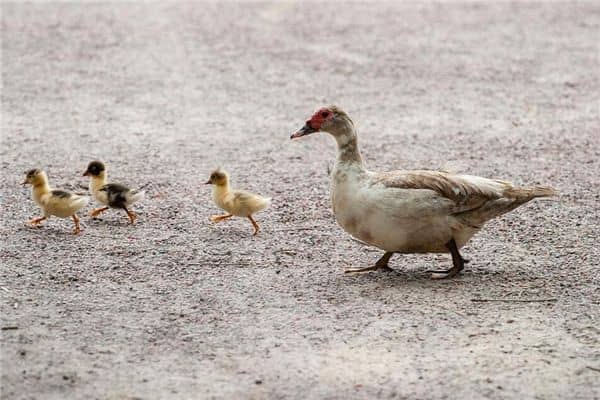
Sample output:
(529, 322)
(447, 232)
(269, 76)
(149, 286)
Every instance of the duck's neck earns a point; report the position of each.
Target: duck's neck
(220, 191)
(39, 189)
(348, 152)
(96, 182)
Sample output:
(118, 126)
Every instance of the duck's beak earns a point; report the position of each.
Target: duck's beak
(85, 173)
(307, 129)
(208, 182)
(24, 182)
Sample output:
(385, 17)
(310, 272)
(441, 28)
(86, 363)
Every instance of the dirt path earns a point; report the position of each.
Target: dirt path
(177, 308)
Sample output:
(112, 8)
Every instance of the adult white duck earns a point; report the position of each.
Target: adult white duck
(410, 211)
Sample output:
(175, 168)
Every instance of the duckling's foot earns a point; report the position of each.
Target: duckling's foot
(218, 218)
(255, 225)
(381, 264)
(77, 228)
(132, 216)
(457, 261)
(36, 221)
(97, 211)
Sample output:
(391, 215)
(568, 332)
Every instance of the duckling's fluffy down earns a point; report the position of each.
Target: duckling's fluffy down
(62, 204)
(242, 204)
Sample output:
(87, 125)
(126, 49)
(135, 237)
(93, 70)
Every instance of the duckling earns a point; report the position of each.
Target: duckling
(59, 203)
(235, 202)
(111, 195)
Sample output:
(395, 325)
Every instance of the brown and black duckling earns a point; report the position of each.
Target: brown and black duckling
(110, 195)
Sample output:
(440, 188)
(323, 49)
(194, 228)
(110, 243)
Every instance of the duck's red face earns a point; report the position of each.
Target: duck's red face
(315, 123)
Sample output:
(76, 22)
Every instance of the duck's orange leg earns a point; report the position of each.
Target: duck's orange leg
(218, 218)
(77, 228)
(36, 221)
(97, 211)
(132, 216)
(254, 224)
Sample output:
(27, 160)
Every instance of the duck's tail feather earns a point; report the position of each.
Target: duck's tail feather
(264, 203)
(81, 202)
(136, 195)
(513, 198)
(530, 192)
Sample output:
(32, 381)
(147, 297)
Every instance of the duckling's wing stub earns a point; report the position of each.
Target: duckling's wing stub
(116, 194)
(61, 194)
(246, 203)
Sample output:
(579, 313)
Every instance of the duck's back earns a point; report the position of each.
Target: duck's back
(62, 204)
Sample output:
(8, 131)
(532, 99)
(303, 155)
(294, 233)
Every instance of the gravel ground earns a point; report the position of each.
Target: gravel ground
(175, 307)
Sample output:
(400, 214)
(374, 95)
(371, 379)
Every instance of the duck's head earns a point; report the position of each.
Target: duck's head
(34, 177)
(331, 119)
(218, 177)
(95, 169)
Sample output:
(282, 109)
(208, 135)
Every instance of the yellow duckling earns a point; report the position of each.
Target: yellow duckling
(53, 202)
(235, 202)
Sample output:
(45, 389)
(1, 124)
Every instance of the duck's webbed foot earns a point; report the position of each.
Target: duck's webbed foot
(36, 221)
(381, 264)
(219, 218)
(97, 211)
(457, 261)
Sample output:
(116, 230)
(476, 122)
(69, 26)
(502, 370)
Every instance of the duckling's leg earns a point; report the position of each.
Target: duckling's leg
(457, 261)
(97, 211)
(132, 216)
(254, 224)
(382, 263)
(36, 221)
(77, 228)
(218, 218)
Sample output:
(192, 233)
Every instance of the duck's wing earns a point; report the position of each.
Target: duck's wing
(61, 202)
(464, 191)
(61, 194)
(248, 202)
(116, 194)
(473, 198)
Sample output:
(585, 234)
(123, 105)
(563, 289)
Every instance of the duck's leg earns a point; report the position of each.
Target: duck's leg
(77, 228)
(219, 218)
(457, 261)
(97, 211)
(131, 215)
(36, 221)
(382, 263)
(254, 224)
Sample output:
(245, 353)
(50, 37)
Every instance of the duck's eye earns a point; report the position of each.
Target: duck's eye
(324, 114)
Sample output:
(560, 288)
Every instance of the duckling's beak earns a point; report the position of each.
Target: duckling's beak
(86, 173)
(307, 129)
(24, 182)
(208, 182)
